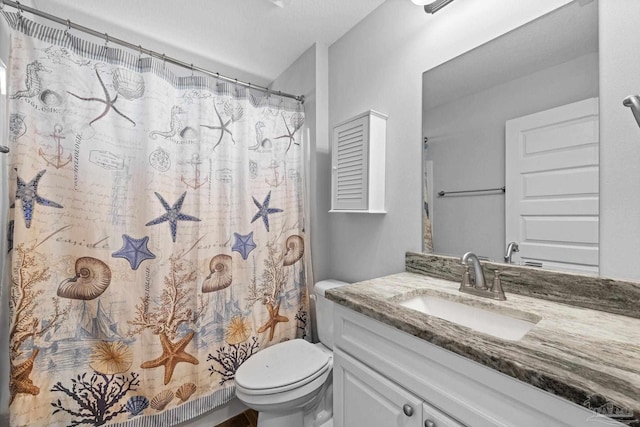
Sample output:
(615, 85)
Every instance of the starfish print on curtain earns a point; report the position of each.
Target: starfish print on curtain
(297, 120)
(234, 113)
(28, 193)
(109, 103)
(173, 215)
(134, 250)
(274, 319)
(172, 354)
(264, 210)
(243, 244)
(19, 382)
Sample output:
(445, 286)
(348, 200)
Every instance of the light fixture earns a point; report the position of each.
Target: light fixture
(633, 102)
(432, 6)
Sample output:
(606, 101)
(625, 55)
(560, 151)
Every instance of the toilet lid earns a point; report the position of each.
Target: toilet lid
(281, 365)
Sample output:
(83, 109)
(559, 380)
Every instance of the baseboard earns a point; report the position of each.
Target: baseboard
(218, 415)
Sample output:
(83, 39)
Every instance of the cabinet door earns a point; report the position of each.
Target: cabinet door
(434, 418)
(364, 398)
(350, 165)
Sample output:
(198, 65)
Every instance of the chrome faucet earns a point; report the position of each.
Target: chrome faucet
(477, 286)
(511, 248)
(478, 282)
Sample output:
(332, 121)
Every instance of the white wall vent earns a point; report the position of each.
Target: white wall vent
(358, 164)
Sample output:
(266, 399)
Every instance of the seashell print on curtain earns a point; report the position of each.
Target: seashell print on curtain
(158, 233)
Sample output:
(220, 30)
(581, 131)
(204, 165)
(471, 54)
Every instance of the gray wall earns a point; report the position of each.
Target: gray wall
(467, 146)
(378, 65)
(308, 76)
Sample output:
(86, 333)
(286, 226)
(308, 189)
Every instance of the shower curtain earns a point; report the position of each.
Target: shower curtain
(427, 194)
(156, 233)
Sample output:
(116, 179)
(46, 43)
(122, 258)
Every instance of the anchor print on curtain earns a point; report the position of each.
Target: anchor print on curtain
(157, 233)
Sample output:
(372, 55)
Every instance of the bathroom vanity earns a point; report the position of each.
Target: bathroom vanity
(398, 366)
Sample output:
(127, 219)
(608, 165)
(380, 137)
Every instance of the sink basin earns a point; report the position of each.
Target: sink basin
(485, 321)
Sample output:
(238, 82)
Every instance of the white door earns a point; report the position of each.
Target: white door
(364, 398)
(552, 192)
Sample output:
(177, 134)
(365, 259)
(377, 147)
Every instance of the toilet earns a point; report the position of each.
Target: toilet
(290, 383)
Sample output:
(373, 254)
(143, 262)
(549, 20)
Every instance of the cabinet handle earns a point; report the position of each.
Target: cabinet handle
(429, 423)
(408, 410)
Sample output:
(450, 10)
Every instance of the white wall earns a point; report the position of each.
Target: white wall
(620, 139)
(378, 65)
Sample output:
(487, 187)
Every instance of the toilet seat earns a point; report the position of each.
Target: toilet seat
(280, 368)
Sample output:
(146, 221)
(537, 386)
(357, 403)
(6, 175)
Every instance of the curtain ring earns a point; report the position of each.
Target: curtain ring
(67, 31)
(1, 5)
(164, 61)
(191, 70)
(20, 11)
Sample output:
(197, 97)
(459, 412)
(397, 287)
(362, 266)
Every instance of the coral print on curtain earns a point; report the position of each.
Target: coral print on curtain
(158, 233)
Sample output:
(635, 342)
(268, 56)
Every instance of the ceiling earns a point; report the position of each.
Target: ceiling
(557, 37)
(245, 39)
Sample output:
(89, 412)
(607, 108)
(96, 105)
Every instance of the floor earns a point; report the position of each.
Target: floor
(246, 419)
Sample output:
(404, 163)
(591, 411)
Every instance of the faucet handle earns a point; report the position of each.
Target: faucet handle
(466, 278)
(496, 287)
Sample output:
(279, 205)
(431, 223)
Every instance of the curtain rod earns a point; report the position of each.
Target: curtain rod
(66, 22)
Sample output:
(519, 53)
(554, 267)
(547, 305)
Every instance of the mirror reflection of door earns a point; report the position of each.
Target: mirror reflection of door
(551, 206)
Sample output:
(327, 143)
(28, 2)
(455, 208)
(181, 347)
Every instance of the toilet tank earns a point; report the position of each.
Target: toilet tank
(324, 311)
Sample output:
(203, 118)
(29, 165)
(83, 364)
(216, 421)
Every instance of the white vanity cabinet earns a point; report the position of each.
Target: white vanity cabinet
(369, 400)
(379, 369)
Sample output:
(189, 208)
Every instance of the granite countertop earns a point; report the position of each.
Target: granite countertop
(575, 353)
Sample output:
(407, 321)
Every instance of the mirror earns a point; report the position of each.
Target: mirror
(547, 63)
